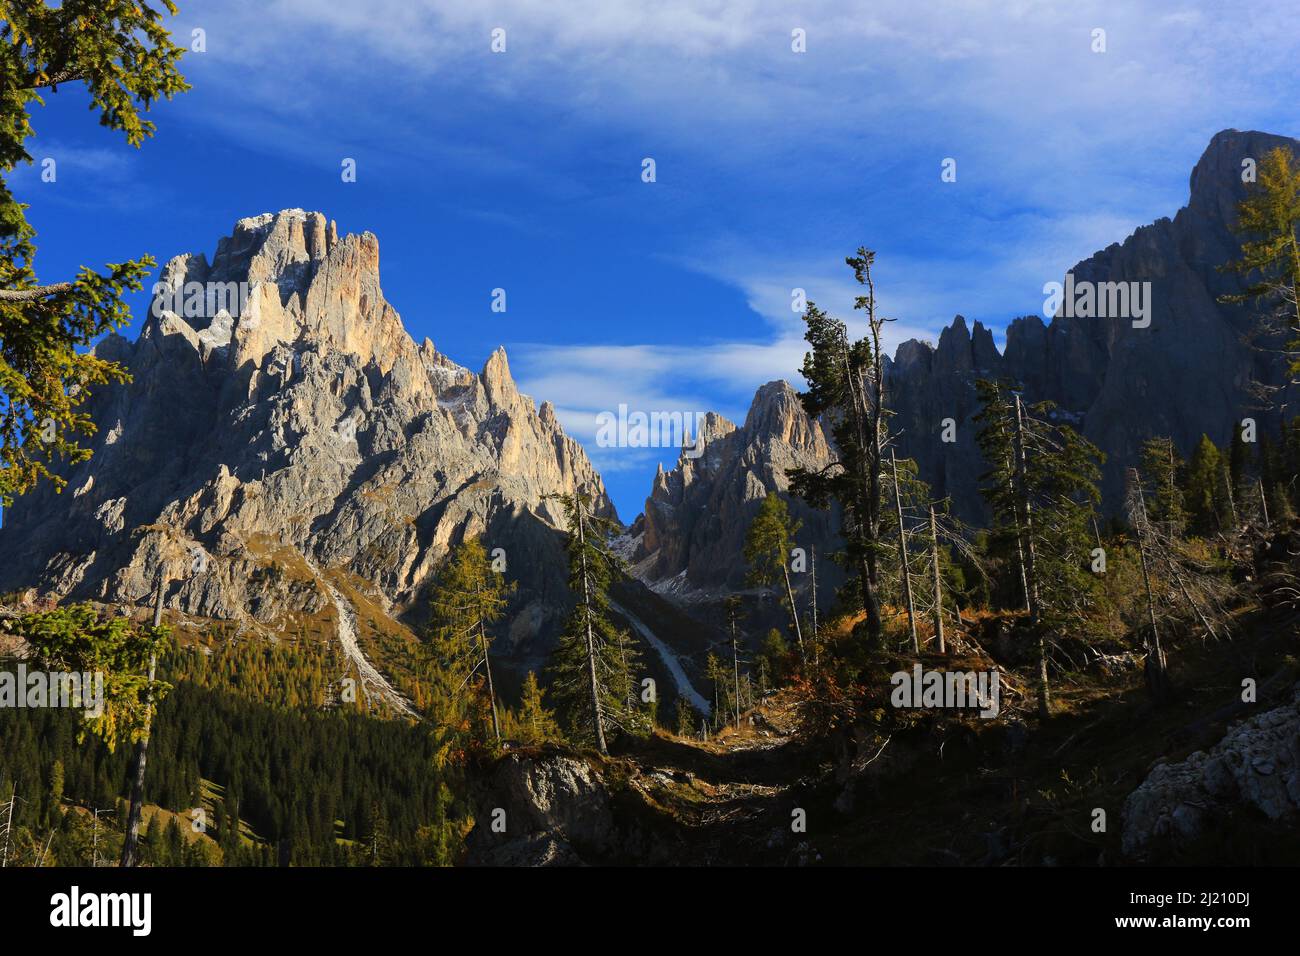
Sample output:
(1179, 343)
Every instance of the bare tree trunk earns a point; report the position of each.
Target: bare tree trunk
(1187, 595)
(902, 557)
(794, 611)
(9, 826)
(815, 634)
(1263, 502)
(1155, 671)
(131, 839)
(598, 719)
(487, 666)
(1035, 618)
(735, 665)
(867, 493)
(938, 583)
(1014, 470)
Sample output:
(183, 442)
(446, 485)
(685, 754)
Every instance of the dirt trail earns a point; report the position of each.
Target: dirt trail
(729, 798)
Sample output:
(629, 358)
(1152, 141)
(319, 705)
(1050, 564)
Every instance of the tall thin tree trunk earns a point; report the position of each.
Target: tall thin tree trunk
(1187, 596)
(794, 611)
(598, 719)
(1014, 470)
(735, 664)
(487, 666)
(131, 840)
(1035, 619)
(1263, 502)
(815, 633)
(1156, 673)
(938, 583)
(867, 494)
(902, 557)
(9, 826)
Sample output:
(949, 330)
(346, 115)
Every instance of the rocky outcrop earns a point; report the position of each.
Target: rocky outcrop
(1256, 765)
(1189, 372)
(692, 534)
(282, 419)
(541, 810)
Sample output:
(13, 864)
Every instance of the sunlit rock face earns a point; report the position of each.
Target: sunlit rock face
(692, 534)
(278, 410)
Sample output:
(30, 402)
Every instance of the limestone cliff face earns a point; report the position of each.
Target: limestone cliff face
(306, 431)
(693, 531)
(1190, 372)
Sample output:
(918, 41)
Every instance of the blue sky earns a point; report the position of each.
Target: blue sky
(522, 169)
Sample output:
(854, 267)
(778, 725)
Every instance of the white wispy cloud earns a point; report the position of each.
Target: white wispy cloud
(797, 158)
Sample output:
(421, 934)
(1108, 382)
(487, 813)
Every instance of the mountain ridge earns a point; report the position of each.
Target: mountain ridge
(302, 420)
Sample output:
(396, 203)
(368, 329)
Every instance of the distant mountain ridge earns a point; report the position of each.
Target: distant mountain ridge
(1190, 372)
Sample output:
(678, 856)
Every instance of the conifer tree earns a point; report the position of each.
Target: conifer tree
(716, 675)
(78, 639)
(1268, 219)
(1042, 488)
(767, 551)
(123, 56)
(686, 718)
(733, 614)
(772, 658)
(846, 387)
(1162, 478)
(468, 597)
(594, 663)
(1206, 501)
(536, 724)
(1178, 581)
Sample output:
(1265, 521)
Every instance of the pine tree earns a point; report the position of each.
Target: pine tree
(733, 613)
(773, 658)
(1206, 502)
(536, 724)
(686, 718)
(123, 55)
(1269, 218)
(77, 639)
(846, 387)
(1042, 488)
(594, 663)
(1162, 477)
(377, 841)
(767, 551)
(468, 597)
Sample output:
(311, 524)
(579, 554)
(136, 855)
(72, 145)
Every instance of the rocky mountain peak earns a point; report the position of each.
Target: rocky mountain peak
(697, 514)
(280, 415)
(776, 414)
(1186, 366)
(1216, 185)
(497, 380)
